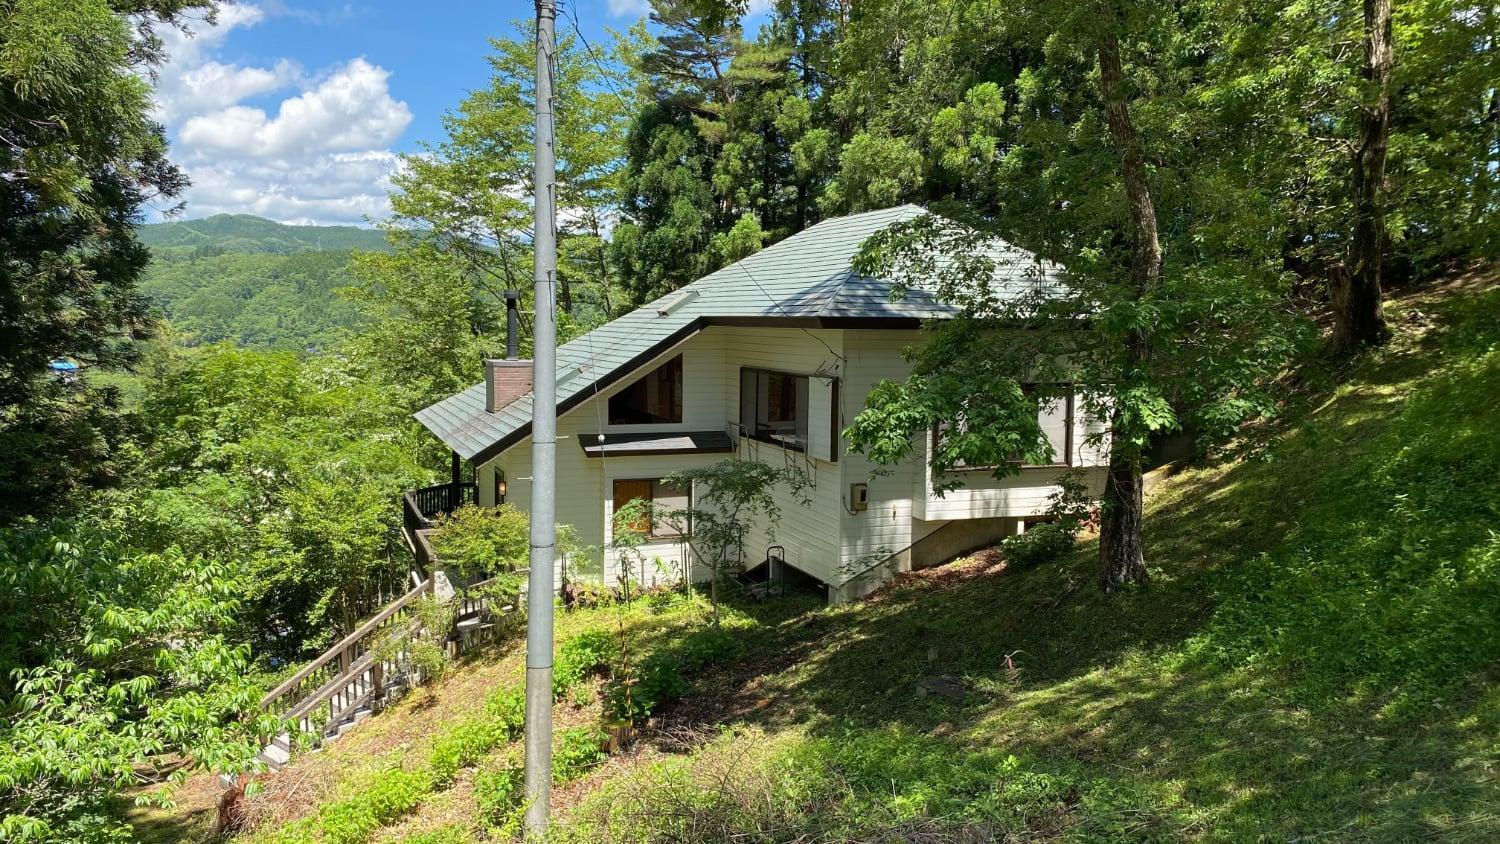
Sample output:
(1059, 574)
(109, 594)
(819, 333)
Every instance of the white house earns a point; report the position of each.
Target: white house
(766, 359)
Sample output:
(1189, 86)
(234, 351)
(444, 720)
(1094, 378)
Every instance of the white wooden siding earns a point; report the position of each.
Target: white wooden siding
(825, 538)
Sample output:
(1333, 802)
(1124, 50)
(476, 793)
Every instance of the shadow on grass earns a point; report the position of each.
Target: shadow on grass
(1312, 659)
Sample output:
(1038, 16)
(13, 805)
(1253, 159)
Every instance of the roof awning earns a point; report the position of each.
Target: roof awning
(676, 442)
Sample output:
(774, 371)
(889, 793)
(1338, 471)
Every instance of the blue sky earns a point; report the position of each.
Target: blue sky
(296, 109)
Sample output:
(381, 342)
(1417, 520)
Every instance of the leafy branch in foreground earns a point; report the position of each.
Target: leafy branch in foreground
(115, 670)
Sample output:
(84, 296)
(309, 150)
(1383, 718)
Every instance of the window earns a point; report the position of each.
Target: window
(773, 407)
(1054, 416)
(655, 399)
(664, 499)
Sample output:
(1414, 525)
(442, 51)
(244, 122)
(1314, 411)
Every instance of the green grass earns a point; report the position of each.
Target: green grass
(1315, 658)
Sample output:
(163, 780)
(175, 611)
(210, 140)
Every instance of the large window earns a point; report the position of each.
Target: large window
(664, 500)
(655, 399)
(1054, 416)
(773, 407)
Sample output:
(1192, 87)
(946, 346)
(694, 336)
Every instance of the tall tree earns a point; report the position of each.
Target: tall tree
(1356, 292)
(1168, 313)
(1120, 545)
(79, 158)
(465, 198)
(732, 150)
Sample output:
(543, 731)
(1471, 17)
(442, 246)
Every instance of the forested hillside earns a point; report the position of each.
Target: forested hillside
(1315, 658)
(259, 299)
(247, 233)
(254, 282)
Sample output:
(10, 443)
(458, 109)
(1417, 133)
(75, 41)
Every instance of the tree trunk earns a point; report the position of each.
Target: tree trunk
(564, 293)
(1121, 549)
(1355, 294)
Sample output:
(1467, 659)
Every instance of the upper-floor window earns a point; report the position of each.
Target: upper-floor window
(773, 407)
(654, 399)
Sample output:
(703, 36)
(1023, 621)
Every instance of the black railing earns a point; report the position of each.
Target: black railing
(421, 507)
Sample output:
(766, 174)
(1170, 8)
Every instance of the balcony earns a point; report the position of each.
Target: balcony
(420, 509)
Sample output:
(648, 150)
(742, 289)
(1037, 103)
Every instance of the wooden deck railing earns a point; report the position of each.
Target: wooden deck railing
(346, 675)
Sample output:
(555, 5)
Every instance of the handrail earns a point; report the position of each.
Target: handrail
(338, 649)
(894, 554)
(337, 684)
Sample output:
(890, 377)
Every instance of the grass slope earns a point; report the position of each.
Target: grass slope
(1315, 657)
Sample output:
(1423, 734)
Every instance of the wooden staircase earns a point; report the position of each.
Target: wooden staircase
(348, 681)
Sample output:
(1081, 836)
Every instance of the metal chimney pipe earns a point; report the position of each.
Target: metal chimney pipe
(512, 324)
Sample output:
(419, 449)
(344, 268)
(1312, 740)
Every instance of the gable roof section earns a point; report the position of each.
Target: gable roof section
(806, 279)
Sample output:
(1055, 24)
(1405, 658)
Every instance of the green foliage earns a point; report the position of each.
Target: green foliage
(731, 147)
(729, 496)
(639, 690)
(459, 220)
(81, 157)
(497, 794)
(288, 465)
(484, 542)
(1070, 507)
(450, 834)
(1040, 544)
(461, 747)
(860, 785)
(580, 656)
(1385, 594)
(111, 657)
(382, 799)
(576, 751)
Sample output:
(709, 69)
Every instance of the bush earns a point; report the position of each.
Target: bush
(461, 747)
(1040, 544)
(497, 794)
(386, 797)
(577, 751)
(450, 834)
(478, 542)
(507, 707)
(578, 657)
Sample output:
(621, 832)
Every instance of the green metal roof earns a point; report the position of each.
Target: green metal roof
(805, 279)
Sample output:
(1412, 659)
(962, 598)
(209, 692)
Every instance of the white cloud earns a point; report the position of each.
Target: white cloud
(350, 110)
(321, 155)
(345, 187)
(629, 8)
(637, 8)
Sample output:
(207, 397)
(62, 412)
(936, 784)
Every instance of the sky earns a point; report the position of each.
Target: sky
(297, 110)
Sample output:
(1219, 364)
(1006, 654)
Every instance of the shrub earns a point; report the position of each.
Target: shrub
(450, 834)
(706, 647)
(461, 747)
(478, 542)
(578, 657)
(577, 751)
(507, 707)
(497, 794)
(389, 795)
(1039, 545)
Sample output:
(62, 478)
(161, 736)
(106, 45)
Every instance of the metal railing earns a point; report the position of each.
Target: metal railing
(422, 507)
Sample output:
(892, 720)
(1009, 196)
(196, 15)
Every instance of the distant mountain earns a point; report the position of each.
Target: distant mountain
(247, 233)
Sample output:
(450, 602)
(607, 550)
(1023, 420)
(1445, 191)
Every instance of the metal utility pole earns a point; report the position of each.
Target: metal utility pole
(543, 446)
